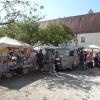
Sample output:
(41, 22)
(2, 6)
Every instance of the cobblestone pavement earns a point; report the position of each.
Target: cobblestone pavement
(69, 85)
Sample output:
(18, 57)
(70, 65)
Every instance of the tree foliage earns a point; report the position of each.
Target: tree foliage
(29, 32)
(18, 10)
(24, 31)
(55, 34)
(18, 19)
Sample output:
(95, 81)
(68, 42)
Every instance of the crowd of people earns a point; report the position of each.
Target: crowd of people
(51, 61)
(89, 60)
(48, 62)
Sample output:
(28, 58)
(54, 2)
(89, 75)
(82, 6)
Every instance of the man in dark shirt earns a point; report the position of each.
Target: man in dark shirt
(40, 60)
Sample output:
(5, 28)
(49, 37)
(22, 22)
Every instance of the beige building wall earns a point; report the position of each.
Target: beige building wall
(88, 39)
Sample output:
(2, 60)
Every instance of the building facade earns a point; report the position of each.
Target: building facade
(86, 27)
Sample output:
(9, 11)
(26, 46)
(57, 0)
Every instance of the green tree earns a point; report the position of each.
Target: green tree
(19, 18)
(55, 34)
(18, 10)
(26, 31)
(29, 31)
(11, 30)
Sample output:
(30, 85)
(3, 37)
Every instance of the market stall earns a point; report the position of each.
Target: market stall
(14, 55)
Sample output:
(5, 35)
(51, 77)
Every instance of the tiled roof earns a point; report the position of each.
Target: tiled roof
(88, 23)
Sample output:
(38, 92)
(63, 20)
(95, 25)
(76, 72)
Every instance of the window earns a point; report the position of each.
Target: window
(82, 39)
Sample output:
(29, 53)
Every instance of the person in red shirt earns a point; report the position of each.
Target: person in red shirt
(89, 60)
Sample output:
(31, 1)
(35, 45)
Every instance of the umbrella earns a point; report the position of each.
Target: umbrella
(92, 48)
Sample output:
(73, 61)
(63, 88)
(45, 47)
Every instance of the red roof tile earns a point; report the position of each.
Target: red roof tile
(88, 23)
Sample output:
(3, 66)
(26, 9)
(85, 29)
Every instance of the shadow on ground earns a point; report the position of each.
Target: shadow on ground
(96, 72)
(18, 82)
(74, 79)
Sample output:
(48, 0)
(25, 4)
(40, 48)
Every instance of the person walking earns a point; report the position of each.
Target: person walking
(51, 63)
(81, 61)
(98, 60)
(34, 59)
(57, 61)
(40, 60)
(89, 61)
(85, 64)
(46, 62)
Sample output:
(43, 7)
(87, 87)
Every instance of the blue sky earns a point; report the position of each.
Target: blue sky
(63, 8)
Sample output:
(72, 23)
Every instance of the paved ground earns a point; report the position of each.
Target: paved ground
(73, 85)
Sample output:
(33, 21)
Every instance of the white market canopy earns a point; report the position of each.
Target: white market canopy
(93, 47)
(9, 42)
(26, 45)
(43, 47)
